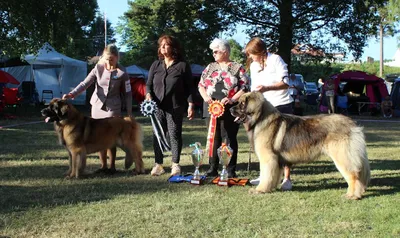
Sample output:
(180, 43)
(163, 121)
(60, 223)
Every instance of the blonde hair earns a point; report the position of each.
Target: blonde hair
(256, 46)
(110, 49)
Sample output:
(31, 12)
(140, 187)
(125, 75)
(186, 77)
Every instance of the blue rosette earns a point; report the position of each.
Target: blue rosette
(149, 109)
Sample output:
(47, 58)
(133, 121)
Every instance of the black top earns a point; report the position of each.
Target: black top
(172, 87)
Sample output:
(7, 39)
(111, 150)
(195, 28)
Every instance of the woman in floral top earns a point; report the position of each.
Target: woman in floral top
(226, 81)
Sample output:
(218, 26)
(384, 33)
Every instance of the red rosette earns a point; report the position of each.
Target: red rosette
(216, 109)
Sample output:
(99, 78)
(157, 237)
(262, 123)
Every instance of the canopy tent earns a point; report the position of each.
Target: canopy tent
(54, 71)
(395, 94)
(137, 72)
(396, 59)
(362, 83)
(19, 69)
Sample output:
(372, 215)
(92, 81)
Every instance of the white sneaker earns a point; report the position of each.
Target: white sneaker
(255, 181)
(157, 170)
(286, 185)
(175, 169)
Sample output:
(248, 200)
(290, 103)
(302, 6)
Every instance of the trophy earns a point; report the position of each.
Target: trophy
(224, 154)
(197, 157)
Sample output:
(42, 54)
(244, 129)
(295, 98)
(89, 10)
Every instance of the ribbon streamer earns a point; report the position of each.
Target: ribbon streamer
(216, 109)
(148, 109)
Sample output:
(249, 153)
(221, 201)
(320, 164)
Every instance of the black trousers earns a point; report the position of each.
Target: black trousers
(171, 122)
(226, 131)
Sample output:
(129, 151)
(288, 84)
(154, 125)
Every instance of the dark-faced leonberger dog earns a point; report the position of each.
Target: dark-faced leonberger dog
(83, 135)
(280, 139)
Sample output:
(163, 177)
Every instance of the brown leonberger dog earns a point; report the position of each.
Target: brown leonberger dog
(281, 139)
(83, 135)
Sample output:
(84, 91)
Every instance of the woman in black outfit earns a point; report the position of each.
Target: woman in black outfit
(171, 86)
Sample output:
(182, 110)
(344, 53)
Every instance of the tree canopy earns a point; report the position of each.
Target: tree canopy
(284, 23)
(70, 26)
(194, 23)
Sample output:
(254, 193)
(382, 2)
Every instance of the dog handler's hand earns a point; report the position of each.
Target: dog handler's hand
(190, 111)
(261, 88)
(225, 100)
(68, 96)
(148, 96)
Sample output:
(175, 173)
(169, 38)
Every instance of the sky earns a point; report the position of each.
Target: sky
(116, 8)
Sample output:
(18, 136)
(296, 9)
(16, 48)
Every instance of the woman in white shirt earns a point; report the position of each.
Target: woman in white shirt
(269, 75)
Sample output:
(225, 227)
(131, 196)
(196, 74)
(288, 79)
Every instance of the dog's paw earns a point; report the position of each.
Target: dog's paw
(255, 191)
(352, 197)
(68, 172)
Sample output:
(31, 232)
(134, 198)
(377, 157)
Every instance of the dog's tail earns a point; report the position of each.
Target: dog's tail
(358, 156)
(352, 162)
(136, 137)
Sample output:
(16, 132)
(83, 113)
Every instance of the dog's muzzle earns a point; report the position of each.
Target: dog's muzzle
(241, 118)
(50, 115)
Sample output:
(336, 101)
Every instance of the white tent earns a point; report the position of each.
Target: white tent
(57, 72)
(136, 71)
(396, 59)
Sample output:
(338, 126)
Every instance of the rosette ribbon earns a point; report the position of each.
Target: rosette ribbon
(216, 109)
(148, 109)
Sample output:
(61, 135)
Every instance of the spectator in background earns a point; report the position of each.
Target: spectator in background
(329, 87)
(296, 86)
(387, 107)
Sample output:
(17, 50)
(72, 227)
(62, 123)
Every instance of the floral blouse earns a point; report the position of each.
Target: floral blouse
(220, 83)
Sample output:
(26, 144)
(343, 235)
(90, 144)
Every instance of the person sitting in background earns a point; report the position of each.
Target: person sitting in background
(387, 107)
(342, 101)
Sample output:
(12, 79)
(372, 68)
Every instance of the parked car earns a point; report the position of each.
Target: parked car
(310, 88)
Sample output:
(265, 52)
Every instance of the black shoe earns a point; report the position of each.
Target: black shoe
(111, 171)
(232, 175)
(211, 172)
(101, 171)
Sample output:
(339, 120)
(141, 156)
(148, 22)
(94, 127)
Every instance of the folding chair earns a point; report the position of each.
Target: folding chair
(47, 96)
(342, 104)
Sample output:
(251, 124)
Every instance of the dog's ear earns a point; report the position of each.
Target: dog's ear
(62, 109)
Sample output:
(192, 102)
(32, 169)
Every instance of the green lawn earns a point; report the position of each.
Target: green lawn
(36, 200)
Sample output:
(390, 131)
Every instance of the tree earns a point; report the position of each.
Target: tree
(96, 34)
(27, 25)
(195, 23)
(236, 52)
(285, 23)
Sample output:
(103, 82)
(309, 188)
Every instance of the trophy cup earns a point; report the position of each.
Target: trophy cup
(224, 154)
(197, 157)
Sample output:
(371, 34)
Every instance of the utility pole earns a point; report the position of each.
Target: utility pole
(381, 51)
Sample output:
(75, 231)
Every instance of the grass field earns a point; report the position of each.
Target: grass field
(36, 200)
